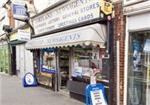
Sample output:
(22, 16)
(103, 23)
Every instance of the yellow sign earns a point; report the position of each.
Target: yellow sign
(106, 7)
(13, 36)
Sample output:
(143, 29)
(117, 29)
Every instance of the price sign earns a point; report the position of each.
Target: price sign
(98, 98)
(95, 93)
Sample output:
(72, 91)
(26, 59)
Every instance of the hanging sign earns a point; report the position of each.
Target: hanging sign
(23, 35)
(95, 95)
(19, 11)
(29, 80)
(106, 7)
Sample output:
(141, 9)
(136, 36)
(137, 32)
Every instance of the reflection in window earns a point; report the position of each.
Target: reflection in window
(138, 68)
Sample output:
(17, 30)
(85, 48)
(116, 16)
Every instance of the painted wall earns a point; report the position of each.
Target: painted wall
(24, 60)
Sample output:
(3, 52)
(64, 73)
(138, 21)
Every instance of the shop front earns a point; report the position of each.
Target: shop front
(4, 57)
(69, 44)
(137, 62)
(21, 59)
(65, 60)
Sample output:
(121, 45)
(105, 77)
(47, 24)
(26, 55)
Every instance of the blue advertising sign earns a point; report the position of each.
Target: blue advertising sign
(19, 11)
(48, 61)
(29, 80)
(95, 94)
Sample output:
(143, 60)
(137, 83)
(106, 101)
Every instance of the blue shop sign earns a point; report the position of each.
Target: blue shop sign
(95, 94)
(20, 11)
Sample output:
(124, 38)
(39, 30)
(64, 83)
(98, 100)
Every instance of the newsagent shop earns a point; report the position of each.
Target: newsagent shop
(69, 45)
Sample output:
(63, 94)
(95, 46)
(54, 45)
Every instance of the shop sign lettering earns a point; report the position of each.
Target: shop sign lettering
(70, 13)
(63, 39)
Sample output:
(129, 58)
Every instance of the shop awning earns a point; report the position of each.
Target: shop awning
(92, 34)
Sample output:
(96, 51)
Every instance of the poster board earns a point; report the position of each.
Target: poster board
(95, 94)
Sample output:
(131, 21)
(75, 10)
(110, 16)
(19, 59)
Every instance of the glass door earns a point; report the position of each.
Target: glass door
(64, 67)
(139, 69)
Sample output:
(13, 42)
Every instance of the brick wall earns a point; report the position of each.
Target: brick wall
(119, 34)
(11, 19)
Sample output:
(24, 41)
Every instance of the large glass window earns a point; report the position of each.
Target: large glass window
(85, 61)
(139, 68)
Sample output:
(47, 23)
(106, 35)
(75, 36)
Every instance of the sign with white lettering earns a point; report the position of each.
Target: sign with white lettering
(70, 13)
(19, 11)
(95, 95)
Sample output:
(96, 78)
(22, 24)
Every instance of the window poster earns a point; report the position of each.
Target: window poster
(48, 61)
(146, 46)
(137, 51)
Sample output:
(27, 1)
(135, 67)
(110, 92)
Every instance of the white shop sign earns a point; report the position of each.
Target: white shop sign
(70, 13)
(23, 35)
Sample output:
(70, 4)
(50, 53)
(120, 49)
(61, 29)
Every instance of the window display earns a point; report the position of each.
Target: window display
(48, 61)
(138, 68)
(85, 61)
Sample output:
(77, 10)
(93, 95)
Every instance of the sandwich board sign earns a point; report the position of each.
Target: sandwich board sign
(95, 95)
(29, 80)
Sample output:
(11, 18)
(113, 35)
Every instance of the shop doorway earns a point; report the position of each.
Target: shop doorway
(13, 61)
(64, 68)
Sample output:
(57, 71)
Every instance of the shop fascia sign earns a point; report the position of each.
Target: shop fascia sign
(70, 13)
(23, 35)
(20, 11)
(137, 8)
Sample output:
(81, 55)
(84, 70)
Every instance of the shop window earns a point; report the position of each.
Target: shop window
(139, 68)
(86, 61)
(45, 62)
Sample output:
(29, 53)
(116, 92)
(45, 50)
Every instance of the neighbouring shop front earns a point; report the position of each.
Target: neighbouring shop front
(4, 57)
(137, 57)
(69, 46)
(21, 58)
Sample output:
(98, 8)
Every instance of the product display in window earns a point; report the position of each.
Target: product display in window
(86, 60)
(137, 51)
(48, 62)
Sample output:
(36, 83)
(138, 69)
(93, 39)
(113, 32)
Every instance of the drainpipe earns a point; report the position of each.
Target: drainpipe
(110, 53)
(118, 73)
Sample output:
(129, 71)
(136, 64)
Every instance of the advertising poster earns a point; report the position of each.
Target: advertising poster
(48, 61)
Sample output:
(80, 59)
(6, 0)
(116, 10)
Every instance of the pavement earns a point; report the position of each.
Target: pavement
(12, 92)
